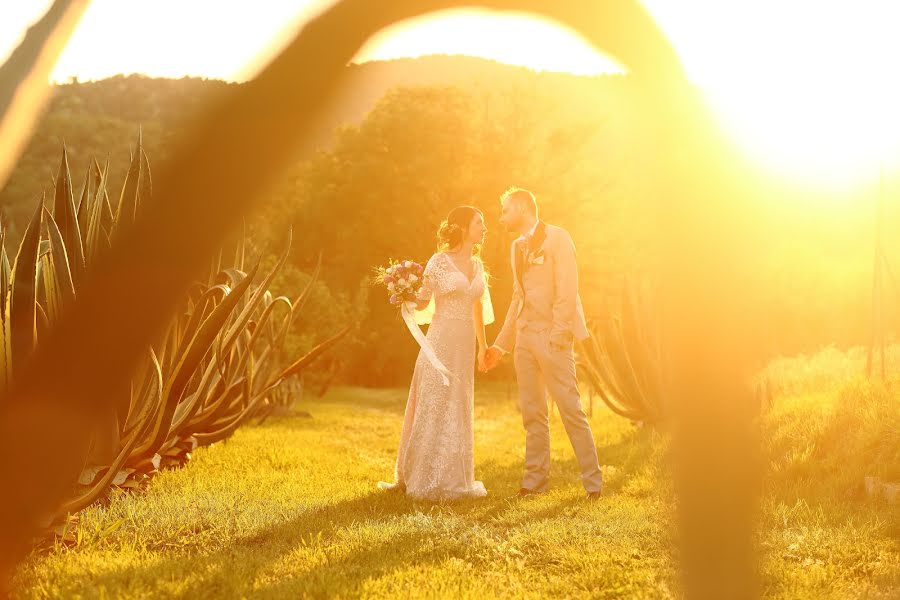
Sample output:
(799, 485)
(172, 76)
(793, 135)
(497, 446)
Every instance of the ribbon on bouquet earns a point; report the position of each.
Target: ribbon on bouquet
(406, 310)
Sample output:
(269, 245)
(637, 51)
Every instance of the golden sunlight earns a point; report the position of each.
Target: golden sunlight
(807, 88)
(804, 87)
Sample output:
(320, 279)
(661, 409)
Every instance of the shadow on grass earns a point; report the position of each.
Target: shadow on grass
(329, 550)
(335, 548)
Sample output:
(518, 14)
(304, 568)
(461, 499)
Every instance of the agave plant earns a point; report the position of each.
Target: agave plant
(622, 362)
(219, 362)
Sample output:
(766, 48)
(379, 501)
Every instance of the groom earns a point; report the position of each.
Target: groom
(544, 318)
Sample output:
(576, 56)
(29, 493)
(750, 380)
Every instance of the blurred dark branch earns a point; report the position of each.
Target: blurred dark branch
(24, 87)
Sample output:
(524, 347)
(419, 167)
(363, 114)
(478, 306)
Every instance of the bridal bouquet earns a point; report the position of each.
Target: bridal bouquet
(403, 280)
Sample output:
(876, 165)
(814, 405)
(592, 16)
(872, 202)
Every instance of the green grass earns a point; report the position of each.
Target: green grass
(290, 509)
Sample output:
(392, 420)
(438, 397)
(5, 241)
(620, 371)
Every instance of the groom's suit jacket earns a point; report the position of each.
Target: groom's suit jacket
(545, 292)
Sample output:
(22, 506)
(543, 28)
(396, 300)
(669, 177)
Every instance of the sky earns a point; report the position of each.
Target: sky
(228, 39)
(808, 87)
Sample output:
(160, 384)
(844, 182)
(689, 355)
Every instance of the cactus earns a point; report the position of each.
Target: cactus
(622, 361)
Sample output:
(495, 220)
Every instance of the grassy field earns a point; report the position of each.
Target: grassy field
(290, 509)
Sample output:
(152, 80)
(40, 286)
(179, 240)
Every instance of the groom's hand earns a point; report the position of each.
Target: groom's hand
(491, 357)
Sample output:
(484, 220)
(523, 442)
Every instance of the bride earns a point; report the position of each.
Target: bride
(435, 460)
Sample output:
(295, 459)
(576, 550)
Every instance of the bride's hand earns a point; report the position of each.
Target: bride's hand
(482, 360)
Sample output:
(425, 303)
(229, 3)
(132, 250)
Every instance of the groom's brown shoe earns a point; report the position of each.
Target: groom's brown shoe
(526, 493)
(594, 495)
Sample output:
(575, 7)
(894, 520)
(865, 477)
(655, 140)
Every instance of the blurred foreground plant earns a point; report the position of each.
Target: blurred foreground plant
(218, 362)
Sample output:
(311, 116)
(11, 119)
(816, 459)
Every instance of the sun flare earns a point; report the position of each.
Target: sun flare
(807, 89)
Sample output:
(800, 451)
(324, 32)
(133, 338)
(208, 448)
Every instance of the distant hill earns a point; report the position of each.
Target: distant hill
(369, 81)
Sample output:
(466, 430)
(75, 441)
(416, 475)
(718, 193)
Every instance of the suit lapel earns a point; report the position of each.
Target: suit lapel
(522, 249)
(537, 240)
(518, 262)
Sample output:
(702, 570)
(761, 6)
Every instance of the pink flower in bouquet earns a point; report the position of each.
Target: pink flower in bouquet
(403, 280)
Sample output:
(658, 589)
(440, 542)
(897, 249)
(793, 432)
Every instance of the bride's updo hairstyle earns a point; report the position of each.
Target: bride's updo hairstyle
(453, 230)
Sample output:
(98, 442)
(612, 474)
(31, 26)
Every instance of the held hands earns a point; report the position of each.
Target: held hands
(488, 359)
(423, 297)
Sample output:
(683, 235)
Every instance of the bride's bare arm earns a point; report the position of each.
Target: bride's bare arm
(478, 314)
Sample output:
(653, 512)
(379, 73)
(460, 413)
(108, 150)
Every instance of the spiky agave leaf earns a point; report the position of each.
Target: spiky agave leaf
(241, 320)
(107, 218)
(615, 354)
(95, 235)
(46, 295)
(129, 200)
(221, 399)
(310, 356)
(642, 353)
(209, 377)
(102, 486)
(187, 363)
(66, 217)
(23, 294)
(264, 362)
(225, 343)
(605, 388)
(145, 184)
(592, 359)
(83, 196)
(5, 336)
(144, 404)
(621, 361)
(57, 276)
(5, 269)
(257, 366)
(226, 428)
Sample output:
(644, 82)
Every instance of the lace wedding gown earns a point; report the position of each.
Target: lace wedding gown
(436, 460)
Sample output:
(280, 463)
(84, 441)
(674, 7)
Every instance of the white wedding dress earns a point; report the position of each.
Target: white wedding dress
(436, 459)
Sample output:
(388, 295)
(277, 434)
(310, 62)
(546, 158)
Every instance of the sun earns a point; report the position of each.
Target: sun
(807, 89)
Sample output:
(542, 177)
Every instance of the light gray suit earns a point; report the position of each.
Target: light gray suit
(544, 318)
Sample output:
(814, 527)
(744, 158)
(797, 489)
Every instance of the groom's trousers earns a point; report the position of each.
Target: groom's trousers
(541, 369)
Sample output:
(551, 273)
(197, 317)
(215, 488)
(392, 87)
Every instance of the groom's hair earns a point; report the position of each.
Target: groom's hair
(521, 196)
